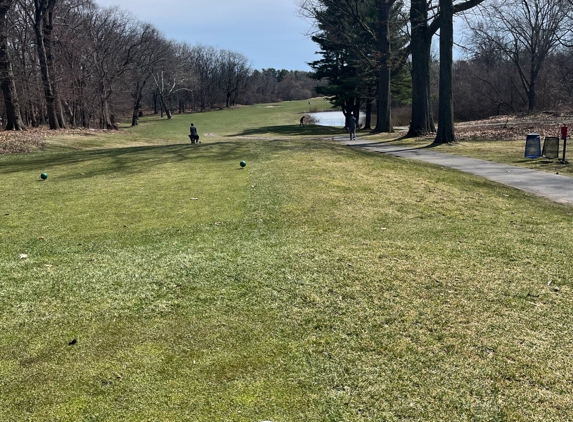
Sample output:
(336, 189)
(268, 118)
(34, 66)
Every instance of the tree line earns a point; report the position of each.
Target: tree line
(519, 58)
(72, 63)
(378, 53)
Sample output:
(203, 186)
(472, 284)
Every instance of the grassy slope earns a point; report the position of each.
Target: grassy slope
(319, 283)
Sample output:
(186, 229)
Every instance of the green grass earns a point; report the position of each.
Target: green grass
(319, 283)
(279, 120)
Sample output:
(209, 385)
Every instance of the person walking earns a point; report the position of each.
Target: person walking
(352, 127)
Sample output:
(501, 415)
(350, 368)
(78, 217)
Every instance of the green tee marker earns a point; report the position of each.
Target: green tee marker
(243, 163)
(44, 176)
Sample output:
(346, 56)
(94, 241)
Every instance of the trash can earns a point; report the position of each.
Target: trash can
(533, 146)
(551, 147)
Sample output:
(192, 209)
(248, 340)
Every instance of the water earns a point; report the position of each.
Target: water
(333, 118)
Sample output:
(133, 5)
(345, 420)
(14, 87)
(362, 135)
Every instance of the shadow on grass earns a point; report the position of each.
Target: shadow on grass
(140, 159)
(292, 130)
(125, 160)
(536, 161)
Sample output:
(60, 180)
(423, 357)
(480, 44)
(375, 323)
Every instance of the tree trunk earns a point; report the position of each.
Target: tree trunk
(446, 108)
(105, 113)
(138, 95)
(531, 95)
(368, 120)
(48, 25)
(383, 103)
(422, 121)
(13, 117)
(106, 122)
(41, 10)
(135, 117)
(164, 106)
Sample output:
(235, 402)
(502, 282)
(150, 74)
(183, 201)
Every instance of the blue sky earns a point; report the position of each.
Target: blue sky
(268, 32)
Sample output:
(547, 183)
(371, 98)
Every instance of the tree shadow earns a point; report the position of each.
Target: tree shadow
(83, 164)
(291, 130)
(126, 160)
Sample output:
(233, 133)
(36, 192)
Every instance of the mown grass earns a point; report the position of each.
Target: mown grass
(318, 283)
(264, 120)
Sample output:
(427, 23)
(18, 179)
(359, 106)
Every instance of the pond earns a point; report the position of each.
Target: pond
(332, 118)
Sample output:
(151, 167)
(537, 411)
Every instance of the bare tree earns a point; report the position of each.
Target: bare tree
(14, 119)
(148, 55)
(73, 72)
(422, 121)
(42, 21)
(423, 26)
(175, 75)
(526, 32)
(204, 60)
(234, 71)
(445, 132)
(75, 63)
(25, 64)
(384, 98)
(447, 10)
(112, 42)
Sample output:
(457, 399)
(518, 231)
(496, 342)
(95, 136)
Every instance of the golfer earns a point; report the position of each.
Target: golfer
(193, 134)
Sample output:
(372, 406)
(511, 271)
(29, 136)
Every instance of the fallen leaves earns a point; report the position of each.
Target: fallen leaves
(33, 139)
(13, 142)
(510, 127)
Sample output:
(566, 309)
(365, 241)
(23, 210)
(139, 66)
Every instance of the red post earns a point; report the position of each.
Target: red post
(564, 137)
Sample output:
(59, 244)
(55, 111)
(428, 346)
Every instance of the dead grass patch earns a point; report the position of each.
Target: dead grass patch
(36, 139)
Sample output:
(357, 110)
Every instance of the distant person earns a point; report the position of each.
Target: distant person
(193, 134)
(301, 122)
(352, 127)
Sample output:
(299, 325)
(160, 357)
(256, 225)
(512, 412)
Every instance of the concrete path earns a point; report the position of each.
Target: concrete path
(555, 187)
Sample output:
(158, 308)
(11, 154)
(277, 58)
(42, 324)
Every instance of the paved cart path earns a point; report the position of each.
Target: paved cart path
(548, 185)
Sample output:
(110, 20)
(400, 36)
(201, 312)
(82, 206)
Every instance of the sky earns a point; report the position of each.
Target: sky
(268, 32)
